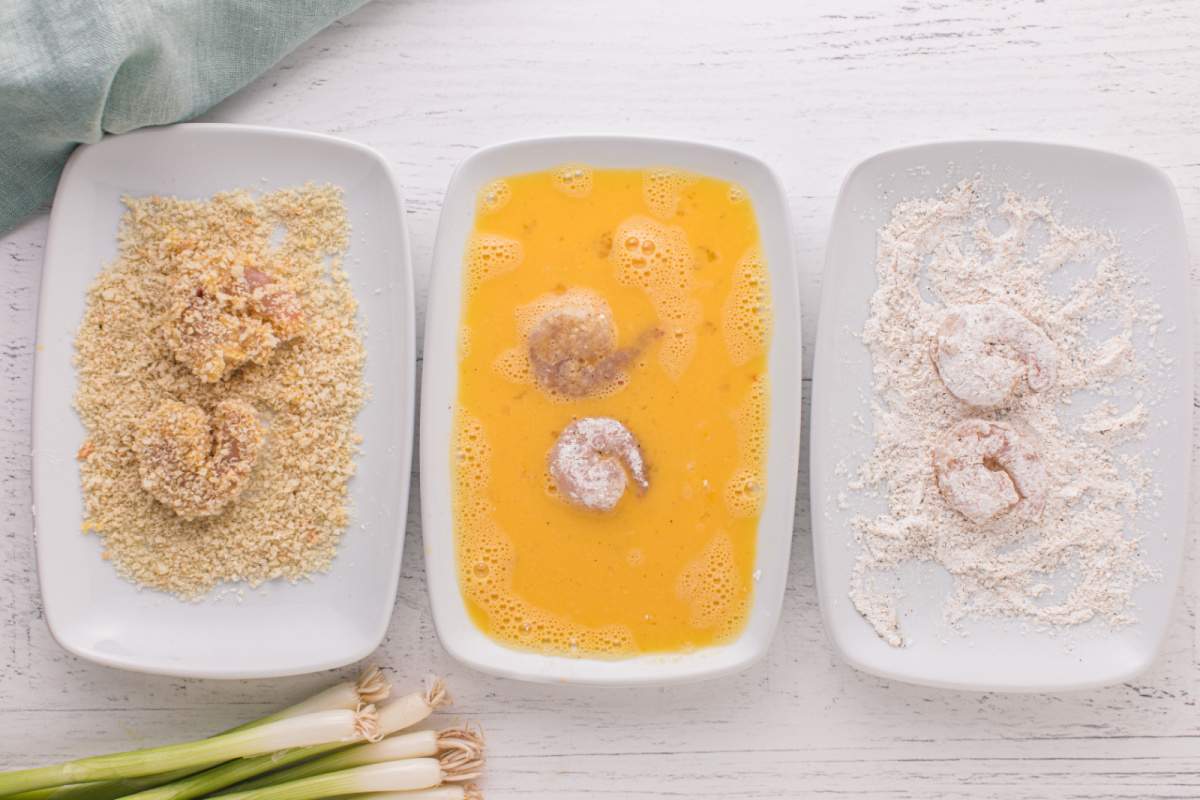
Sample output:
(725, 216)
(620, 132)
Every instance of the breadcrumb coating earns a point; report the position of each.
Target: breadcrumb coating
(288, 516)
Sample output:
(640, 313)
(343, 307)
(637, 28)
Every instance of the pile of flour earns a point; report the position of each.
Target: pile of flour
(1080, 559)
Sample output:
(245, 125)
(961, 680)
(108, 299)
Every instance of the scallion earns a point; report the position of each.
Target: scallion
(455, 745)
(372, 686)
(401, 713)
(393, 776)
(304, 731)
(447, 791)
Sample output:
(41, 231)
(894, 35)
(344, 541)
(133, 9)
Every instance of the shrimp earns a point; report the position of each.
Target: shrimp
(227, 315)
(194, 462)
(986, 469)
(593, 461)
(573, 349)
(983, 351)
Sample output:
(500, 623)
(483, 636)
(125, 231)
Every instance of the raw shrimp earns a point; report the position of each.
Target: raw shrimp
(194, 462)
(227, 315)
(590, 461)
(983, 351)
(986, 469)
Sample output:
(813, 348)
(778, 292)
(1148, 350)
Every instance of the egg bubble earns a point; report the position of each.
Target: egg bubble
(573, 180)
(490, 255)
(464, 343)
(713, 588)
(493, 197)
(513, 364)
(662, 189)
(746, 312)
(658, 258)
(744, 493)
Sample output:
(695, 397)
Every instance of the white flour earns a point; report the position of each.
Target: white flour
(1075, 561)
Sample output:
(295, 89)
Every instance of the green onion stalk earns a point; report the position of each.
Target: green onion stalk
(371, 687)
(341, 713)
(393, 776)
(455, 746)
(447, 791)
(401, 713)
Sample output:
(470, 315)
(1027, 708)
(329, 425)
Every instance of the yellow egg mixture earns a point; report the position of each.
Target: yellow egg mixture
(677, 259)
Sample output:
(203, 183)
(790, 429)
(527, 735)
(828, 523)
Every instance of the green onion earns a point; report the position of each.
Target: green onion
(447, 791)
(304, 731)
(409, 745)
(372, 686)
(401, 713)
(456, 745)
(393, 776)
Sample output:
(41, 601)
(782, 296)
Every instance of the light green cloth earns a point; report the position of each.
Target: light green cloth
(73, 70)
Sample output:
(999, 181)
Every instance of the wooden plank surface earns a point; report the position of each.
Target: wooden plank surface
(812, 88)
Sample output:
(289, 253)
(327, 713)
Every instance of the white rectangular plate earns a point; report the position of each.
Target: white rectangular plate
(1089, 188)
(279, 628)
(440, 388)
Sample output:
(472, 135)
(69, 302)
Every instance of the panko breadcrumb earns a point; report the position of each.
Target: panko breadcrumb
(288, 518)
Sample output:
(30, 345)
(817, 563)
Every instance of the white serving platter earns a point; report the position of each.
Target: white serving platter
(278, 628)
(458, 633)
(1090, 188)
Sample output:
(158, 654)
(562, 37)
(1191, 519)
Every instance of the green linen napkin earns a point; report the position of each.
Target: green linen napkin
(73, 70)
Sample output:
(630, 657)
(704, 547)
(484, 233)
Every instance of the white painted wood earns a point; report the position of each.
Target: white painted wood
(811, 87)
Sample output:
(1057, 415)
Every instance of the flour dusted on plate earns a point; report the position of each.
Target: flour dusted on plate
(1002, 315)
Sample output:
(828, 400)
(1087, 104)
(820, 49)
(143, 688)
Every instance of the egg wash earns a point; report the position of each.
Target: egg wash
(608, 466)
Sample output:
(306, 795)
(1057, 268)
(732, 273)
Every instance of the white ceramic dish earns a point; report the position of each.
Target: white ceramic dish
(439, 388)
(279, 628)
(1088, 187)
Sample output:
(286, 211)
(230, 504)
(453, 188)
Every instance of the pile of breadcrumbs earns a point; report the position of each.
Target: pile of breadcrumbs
(287, 522)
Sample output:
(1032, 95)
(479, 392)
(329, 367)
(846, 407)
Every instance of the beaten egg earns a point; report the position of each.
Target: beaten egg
(610, 423)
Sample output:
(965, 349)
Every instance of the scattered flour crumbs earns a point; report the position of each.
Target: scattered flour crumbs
(288, 520)
(1075, 562)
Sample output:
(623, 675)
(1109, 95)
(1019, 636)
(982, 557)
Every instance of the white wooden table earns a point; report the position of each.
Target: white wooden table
(812, 88)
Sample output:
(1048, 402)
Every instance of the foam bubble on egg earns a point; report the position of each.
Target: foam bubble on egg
(737, 194)
(744, 492)
(464, 343)
(490, 255)
(712, 587)
(662, 189)
(746, 314)
(681, 322)
(750, 420)
(573, 180)
(513, 364)
(493, 197)
(659, 259)
(529, 314)
(471, 450)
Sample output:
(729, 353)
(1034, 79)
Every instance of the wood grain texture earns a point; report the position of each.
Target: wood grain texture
(812, 88)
